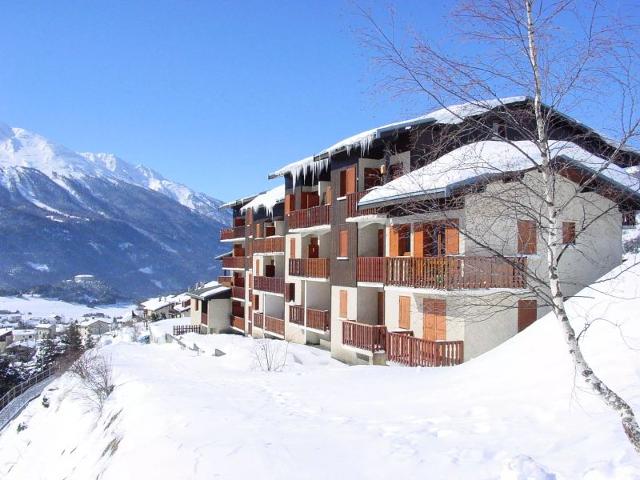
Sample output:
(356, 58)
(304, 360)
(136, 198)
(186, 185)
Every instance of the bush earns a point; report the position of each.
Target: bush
(94, 371)
(271, 355)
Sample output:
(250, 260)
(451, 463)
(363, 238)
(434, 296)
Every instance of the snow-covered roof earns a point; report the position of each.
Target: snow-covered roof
(209, 290)
(450, 115)
(88, 323)
(44, 325)
(180, 308)
(483, 160)
(267, 199)
(157, 303)
(4, 331)
(239, 201)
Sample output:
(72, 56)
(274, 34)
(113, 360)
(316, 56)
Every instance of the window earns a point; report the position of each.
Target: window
(396, 170)
(404, 312)
(343, 247)
(569, 232)
(527, 313)
(400, 240)
(527, 237)
(372, 178)
(343, 304)
(499, 129)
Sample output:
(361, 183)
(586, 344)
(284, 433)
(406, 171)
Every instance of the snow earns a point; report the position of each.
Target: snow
(482, 160)
(36, 307)
(157, 303)
(266, 200)
(451, 115)
(517, 412)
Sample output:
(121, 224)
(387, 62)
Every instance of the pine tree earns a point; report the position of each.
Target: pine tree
(73, 340)
(89, 342)
(48, 351)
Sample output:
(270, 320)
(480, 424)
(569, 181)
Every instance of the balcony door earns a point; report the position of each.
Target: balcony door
(438, 239)
(314, 248)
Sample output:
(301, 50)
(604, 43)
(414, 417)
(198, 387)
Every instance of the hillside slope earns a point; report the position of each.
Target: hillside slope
(517, 412)
(64, 213)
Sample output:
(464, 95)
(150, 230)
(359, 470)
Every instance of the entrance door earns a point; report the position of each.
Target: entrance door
(404, 314)
(434, 321)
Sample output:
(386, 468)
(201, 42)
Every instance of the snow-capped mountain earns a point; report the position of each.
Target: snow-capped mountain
(63, 213)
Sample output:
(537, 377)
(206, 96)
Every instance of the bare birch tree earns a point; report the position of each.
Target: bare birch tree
(559, 54)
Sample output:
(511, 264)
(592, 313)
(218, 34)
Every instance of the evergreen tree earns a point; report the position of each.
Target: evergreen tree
(89, 342)
(48, 351)
(73, 340)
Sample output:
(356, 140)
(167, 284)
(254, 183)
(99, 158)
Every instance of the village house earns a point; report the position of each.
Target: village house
(211, 307)
(383, 246)
(94, 326)
(157, 308)
(45, 330)
(6, 338)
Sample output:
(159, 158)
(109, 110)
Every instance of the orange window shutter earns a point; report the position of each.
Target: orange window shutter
(527, 313)
(343, 304)
(452, 238)
(393, 242)
(434, 319)
(404, 314)
(418, 240)
(343, 250)
(328, 196)
(527, 237)
(568, 232)
(292, 248)
(351, 180)
(343, 183)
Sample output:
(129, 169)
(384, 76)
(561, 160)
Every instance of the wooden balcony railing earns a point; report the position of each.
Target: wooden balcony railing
(412, 351)
(237, 310)
(225, 280)
(237, 292)
(237, 322)
(446, 273)
(233, 262)
(233, 232)
(309, 267)
(269, 284)
(274, 325)
(366, 337)
(258, 320)
(371, 269)
(352, 205)
(316, 319)
(310, 217)
(269, 245)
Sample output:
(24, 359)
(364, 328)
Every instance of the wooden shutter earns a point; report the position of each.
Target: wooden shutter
(258, 230)
(381, 308)
(343, 304)
(569, 232)
(343, 250)
(289, 203)
(404, 314)
(258, 271)
(292, 247)
(434, 319)
(527, 313)
(452, 238)
(351, 180)
(393, 242)
(527, 237)
(328, 194)
(418, 240)
(256, 302)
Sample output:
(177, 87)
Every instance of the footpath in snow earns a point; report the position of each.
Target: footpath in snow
(518, 412)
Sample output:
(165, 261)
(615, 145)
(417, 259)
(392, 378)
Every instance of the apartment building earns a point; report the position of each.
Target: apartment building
(402, 243)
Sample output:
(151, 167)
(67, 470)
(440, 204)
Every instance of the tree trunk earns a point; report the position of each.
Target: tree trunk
(610, 398)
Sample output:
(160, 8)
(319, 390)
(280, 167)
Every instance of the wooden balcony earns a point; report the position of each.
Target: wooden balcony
(366, 337)
(309, 267)
(237, 322)
(411, 351)
(237, 310)
(310, 217)
(445, 273)
(225, 280)
(274, 325)
(268, 245)
(316, 319)
(237, 292)
(269, 284)
(233, 262)
(233, 232)
(258, 320)
(352, 205)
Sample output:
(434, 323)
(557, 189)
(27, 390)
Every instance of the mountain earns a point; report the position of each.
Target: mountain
(64, 213)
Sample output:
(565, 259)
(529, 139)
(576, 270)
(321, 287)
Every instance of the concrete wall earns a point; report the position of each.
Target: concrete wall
(218, 314)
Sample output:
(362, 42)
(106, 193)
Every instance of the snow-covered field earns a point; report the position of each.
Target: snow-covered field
(33, 306)
(517, 412)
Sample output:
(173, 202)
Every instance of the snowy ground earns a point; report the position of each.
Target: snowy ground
(517, 412)
(38, 307)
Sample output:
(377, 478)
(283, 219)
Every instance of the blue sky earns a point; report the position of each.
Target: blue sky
(212, 94)
(200, 91)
